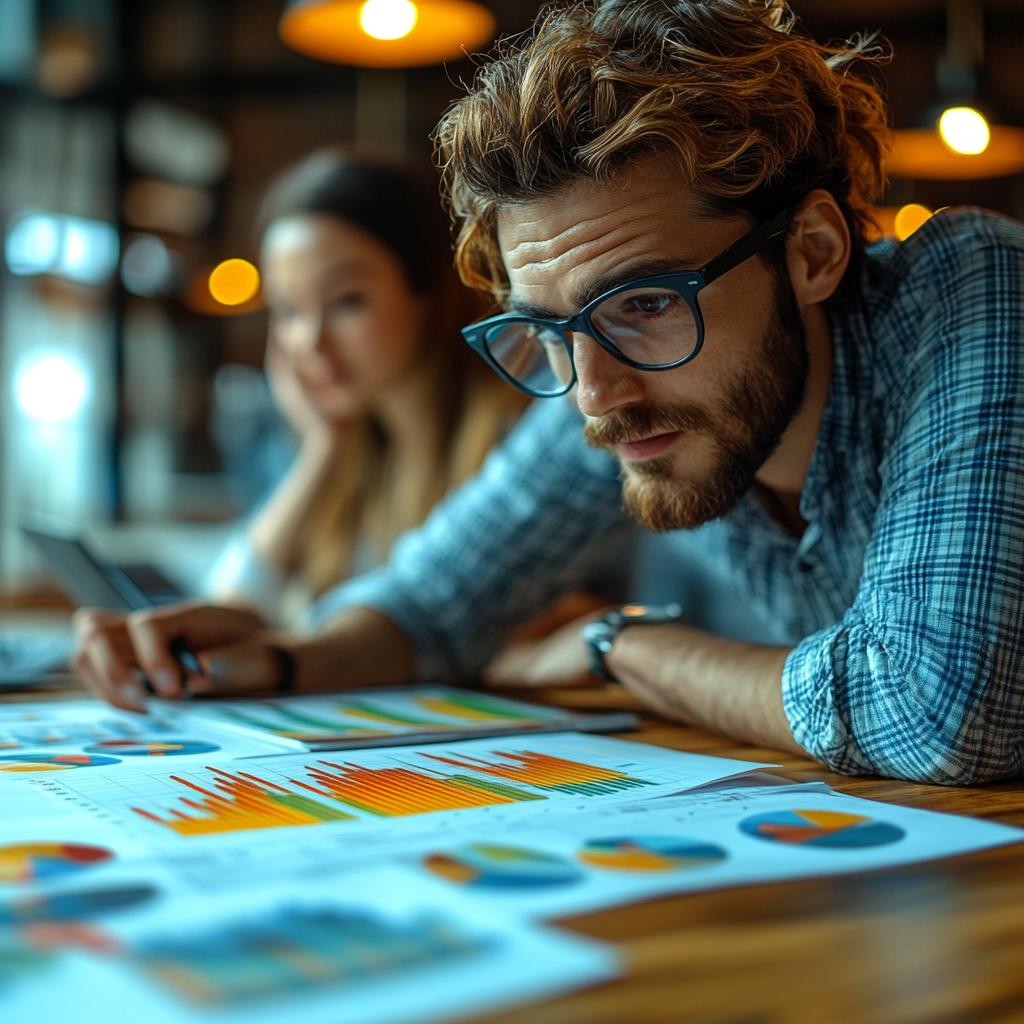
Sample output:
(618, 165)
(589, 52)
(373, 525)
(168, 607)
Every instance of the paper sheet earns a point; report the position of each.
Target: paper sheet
(373, 717)
(727, 835)
(293, 814)
(374, 951)
(51, 738)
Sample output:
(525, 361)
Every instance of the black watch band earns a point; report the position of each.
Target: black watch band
(599, 635)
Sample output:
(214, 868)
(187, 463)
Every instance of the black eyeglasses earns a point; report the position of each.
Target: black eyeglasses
(653, 323)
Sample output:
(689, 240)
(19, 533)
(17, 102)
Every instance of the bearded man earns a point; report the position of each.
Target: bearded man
(669, 201)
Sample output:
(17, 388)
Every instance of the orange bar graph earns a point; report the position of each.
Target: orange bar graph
(402, 791)
(548, 772)
(242, 802)
(233, 802)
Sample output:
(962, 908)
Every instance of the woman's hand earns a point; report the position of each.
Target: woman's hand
(293, 400)
(115, 653)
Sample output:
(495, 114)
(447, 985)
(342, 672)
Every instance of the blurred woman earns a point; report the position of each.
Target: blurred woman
(389, 407)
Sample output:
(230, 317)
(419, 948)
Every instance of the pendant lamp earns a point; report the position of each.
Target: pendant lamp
(386, 33)
(962, 137)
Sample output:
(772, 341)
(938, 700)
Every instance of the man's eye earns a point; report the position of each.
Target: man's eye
(649, 305)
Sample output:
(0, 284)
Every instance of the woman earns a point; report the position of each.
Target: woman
(390, 408)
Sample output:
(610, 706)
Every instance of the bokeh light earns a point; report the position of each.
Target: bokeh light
(234, 281)
(50, 388)
(147, 267)
(964, 130)
(909, 218)
(81, 250)
(388, 19)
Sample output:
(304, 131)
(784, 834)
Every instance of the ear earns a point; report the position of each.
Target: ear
(818, 248)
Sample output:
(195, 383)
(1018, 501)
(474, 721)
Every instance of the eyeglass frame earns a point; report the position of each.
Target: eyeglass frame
(686, 283)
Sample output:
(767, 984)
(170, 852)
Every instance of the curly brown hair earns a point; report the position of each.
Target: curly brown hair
(756, 114)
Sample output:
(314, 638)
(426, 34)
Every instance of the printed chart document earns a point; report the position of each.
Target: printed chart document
(733, 833)
(292, 815)
(386, 718)
(376, 951)
(46, 738)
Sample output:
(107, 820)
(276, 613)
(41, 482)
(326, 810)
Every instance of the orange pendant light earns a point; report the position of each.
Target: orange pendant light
(956, 140)
(923, 153)
(386, 33)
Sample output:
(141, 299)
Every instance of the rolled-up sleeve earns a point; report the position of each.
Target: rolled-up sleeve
(923, 678)
(541, 515)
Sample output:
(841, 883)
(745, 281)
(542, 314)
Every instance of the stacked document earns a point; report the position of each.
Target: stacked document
(380, 856)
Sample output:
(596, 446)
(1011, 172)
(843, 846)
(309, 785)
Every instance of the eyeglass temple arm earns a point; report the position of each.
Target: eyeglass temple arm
(753, 241)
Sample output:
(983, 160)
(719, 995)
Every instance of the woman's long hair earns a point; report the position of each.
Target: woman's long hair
(366, 504)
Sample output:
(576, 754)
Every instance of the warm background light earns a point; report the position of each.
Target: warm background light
(964, 130)
(921, 153)
(388, 19)
(234, 282)
(909, 218)
(386, 33)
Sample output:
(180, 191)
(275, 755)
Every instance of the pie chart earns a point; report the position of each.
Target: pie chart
(491, 866)
(73, 906)
(51, 762)
(832, 830)
(650, 853)
(152, 748)
(36, 862)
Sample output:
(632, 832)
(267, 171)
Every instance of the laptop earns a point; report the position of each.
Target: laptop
(93, 583)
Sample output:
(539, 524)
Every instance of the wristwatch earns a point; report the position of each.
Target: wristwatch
(599, 635)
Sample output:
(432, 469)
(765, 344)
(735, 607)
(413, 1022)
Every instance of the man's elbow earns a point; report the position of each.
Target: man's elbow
(971, 758)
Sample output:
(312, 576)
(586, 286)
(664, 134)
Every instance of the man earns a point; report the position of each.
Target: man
(669, 199)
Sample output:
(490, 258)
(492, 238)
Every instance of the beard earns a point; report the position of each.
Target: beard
(759, 404)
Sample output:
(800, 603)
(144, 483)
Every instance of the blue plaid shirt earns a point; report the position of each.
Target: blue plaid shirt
(904, 598)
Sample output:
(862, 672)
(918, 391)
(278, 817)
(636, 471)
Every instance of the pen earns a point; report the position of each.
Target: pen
(186, 658)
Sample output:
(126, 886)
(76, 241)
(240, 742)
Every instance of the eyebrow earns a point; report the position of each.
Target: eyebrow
(344, 268)
(650, 267)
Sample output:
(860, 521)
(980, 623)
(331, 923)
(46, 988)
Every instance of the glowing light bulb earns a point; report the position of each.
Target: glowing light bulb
(964, 130)
(51, 388)
(909, 218)
(234, 282)
(388, 19)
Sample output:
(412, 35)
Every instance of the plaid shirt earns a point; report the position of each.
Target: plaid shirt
(904, 598)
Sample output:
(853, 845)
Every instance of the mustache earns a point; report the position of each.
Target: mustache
(638, 421)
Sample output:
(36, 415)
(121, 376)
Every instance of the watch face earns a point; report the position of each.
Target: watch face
(652, 614)
(599, 632)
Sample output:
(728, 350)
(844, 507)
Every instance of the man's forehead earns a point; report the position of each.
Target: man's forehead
(585, 210)
(588, 230)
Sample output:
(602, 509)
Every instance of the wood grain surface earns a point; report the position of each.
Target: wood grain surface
(936, 942)
(941, 941)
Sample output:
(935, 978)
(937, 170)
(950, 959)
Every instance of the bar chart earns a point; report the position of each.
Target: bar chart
(419, 710)
(241, 800)
(294, 947)
(492, 782)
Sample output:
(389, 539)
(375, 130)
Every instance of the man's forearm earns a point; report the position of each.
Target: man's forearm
(727, 687)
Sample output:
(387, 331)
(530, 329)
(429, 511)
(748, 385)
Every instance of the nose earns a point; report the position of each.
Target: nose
(310, 334)
(323, 336)
(603, 383)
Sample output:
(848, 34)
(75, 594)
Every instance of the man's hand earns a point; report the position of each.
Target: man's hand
(557, 660)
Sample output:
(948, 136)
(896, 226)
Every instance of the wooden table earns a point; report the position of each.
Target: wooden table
(937, 942)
